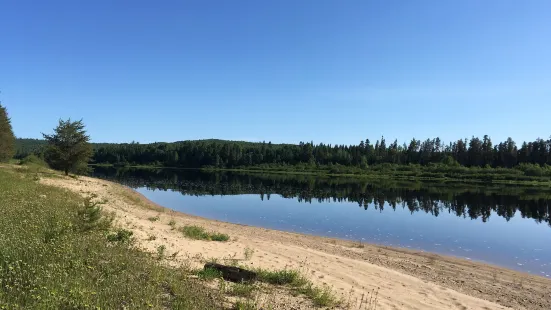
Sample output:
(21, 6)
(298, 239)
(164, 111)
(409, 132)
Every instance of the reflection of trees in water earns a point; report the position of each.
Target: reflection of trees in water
(462, 200)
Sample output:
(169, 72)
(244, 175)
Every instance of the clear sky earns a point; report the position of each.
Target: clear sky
(279, 70)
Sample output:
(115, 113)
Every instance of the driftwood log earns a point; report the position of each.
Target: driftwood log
(233, 274)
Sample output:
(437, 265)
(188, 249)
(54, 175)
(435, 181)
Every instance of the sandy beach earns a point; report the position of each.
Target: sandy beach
(399, 278)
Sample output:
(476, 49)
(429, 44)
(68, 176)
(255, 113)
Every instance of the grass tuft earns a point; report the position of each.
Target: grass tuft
(248, 253)
(320, 296)
(154, 218)
(241, 290)
(280, 277)
(172, 224)
(209, 274)
(199, 233)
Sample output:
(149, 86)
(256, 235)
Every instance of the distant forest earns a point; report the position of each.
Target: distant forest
(475, 152)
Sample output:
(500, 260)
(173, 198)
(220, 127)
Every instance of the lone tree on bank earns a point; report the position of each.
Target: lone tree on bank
(69, 148)
(7, 139)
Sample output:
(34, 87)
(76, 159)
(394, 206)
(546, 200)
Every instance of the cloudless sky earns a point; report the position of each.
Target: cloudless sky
(280, 70)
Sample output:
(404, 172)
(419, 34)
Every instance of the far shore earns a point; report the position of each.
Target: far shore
(361, 176)
(402, 278)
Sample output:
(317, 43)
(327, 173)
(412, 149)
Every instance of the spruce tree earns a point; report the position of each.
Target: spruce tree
(69, 148)
(7, 139)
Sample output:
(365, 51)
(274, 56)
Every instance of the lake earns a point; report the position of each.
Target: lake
(502, 225)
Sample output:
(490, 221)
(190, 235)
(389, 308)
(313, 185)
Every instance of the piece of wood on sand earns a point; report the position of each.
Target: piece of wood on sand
(233, 274)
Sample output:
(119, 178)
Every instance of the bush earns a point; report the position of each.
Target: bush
(33, 160)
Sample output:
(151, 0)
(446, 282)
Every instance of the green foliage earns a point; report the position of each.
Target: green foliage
(209, 274)
(69, 148)
(248, 253)
(122, 236)
(7, 138)
(91, 216)
(161, 251)
(322, 297)
(26, 147)
(219, 237)
(199, 233)
(309, 156)
(361, 159)
(33, 160)
(280, 277)
(154, 218)
(48, 262)
(172, 224)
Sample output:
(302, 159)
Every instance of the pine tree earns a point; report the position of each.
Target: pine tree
(69, 148)
(7, 139)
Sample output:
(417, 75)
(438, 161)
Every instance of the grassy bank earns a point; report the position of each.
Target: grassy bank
(524, 175)
(60, 252)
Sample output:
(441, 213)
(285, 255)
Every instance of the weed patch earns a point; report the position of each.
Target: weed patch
(320, 296)
(199, 233)
(209, 274)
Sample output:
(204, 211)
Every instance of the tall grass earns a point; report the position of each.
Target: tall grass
(55, 255)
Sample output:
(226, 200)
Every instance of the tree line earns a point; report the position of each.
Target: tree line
(475, 152)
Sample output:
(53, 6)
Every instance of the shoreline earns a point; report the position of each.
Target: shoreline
(467, 179)
(404, 278)
(349, 242)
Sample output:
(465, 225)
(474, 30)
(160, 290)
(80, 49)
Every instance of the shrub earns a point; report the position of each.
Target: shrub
(91, 216)
(122, 236)
(33, 160)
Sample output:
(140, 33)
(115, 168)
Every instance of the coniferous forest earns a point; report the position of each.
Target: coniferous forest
(530, 159)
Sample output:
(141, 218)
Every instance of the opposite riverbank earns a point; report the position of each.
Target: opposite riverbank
(401, 173)
(399, 278)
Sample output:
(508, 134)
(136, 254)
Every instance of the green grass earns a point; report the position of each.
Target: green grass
(209, 274)
(245, 305)
(523, 175)
(54, 256)
(280, 277)
(241, 290)
(320, 296)
(14, 161)
(199, 233)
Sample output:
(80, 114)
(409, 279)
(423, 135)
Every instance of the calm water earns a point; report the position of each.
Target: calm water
(507, 226)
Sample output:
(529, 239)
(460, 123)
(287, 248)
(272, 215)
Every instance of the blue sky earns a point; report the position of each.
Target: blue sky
(280, 71)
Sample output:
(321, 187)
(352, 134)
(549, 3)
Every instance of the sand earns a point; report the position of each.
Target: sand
(399, 278)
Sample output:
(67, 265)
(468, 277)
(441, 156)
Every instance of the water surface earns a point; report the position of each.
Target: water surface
(506, 226)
